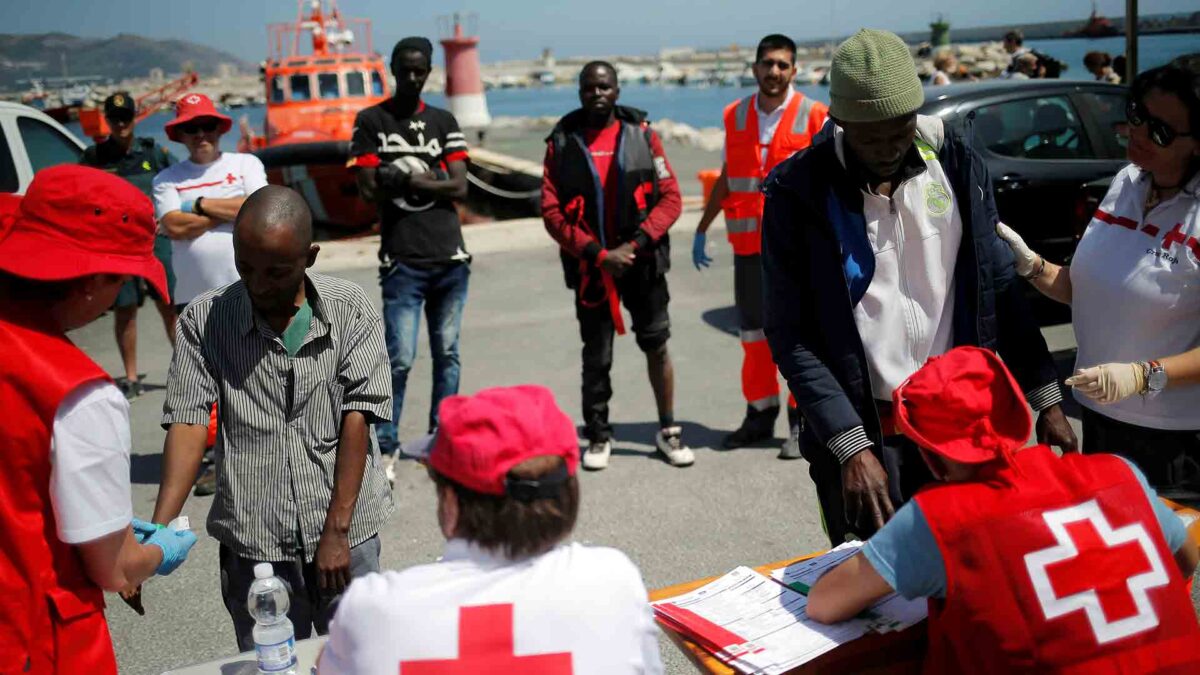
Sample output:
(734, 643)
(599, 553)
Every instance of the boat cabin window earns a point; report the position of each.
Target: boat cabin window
(355, 84)
(376, 83)
(300, 88)
(327, 85)
(277, 95)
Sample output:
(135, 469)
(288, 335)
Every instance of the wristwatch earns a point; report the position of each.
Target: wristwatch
(1156, 377)
(197, 208)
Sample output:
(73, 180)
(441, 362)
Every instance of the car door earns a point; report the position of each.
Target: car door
(1041, 154)
(39, 144)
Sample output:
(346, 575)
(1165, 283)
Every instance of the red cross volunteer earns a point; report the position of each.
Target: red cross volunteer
(508, 596)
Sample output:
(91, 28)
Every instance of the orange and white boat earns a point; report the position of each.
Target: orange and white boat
(312, 98)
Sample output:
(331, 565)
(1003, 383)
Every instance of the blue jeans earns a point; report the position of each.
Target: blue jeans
(443, 293)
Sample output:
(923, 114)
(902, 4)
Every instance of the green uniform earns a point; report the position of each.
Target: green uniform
(138, 166)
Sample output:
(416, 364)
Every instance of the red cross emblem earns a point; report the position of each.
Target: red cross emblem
(485, 647)
(192, 100)
(1104, 572)
(229, 178)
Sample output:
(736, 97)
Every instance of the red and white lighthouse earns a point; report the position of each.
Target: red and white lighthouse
(464, 85)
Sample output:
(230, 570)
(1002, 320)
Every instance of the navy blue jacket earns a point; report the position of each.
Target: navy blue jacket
(817, 263)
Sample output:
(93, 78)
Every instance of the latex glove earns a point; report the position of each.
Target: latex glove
(142, 529)
(1110, 382)
(1026, 260)
(175, 545)
(700, 257)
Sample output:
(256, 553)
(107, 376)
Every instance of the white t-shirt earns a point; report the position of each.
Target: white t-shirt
(907, 313)
(89, 463)
(1135, 284)
(578, 604)
(205, 262)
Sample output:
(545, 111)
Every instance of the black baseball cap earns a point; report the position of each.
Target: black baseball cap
(119, 102)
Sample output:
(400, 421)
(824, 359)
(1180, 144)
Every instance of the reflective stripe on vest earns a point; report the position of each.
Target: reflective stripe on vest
(743, 112)
(745, 184)
(741, 225)
(800, 124)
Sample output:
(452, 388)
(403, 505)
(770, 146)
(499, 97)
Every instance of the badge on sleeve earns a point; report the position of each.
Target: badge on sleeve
(660, 168)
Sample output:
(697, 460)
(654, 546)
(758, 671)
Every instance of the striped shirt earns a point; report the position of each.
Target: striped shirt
(280, 417)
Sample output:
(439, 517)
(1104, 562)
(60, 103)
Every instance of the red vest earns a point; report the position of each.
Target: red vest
(42, 582)
(1056, 565)
(744, 168)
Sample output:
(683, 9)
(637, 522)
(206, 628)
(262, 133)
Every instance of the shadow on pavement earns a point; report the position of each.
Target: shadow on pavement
(724, 319)
(637, 439)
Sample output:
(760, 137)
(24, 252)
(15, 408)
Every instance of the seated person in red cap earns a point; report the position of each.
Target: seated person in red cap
(196, 201)
(508, 595)
(66, 515)
(1031, 562)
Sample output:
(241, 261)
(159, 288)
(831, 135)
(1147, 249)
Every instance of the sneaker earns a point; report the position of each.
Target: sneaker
(670, 444)
(758, 426)
(389, 469)
(596, 457)
(791, 447)
(206, 484)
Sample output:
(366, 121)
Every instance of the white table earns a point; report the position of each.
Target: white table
(307, 652)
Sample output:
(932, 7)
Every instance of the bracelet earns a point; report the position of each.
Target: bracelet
(1041, 268)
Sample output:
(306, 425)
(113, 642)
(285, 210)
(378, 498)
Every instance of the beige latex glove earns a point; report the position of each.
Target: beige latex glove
(1026, 259)
(1110, 382)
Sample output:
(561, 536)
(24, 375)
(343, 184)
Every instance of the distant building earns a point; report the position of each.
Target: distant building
(156, 75)
(226, 71)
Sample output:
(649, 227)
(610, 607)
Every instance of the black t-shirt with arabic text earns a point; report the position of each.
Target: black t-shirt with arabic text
(416, 230)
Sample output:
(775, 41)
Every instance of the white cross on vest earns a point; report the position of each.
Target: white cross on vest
(1064, 583)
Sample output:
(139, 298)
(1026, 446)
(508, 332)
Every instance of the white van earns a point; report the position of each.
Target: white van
(29, 142)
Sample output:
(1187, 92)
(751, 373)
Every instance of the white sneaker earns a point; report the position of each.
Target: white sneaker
(389, 469)
(670, 444)
(596, 457)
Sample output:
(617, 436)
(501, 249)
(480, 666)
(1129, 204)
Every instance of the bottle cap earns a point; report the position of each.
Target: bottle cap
(263, 571)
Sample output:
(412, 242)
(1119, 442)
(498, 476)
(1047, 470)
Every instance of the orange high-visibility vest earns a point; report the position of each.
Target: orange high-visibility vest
(744, 167)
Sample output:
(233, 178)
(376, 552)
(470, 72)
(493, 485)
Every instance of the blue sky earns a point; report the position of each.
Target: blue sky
(517, 29)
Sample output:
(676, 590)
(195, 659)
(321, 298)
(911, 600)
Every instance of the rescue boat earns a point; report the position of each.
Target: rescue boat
(312, 98)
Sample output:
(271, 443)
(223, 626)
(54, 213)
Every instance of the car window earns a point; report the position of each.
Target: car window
(1108, 110)
(376, 83)
(356, 85)
(277, 89)
(1032, 128)
(300, 88)
(327, 85)
(45, 145)
(9, 181)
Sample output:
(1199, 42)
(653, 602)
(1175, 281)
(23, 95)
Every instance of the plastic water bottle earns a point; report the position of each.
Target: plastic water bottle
(274, 636)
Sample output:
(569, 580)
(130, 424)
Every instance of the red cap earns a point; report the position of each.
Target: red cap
(965, 406)
(191, 107)
(75, 221)
(481, 437)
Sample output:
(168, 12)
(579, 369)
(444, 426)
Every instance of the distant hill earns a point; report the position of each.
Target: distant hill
(120, 57)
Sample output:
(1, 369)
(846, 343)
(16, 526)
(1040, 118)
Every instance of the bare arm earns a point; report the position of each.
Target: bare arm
(845, 591)
(348, 472)
(719, 193)
(182, 452)
(118, 562)
(367, 179)
(452, 187)
(1187, 557)
(1054, 282)
(222, 209)
(180, 225)
(1182, 369)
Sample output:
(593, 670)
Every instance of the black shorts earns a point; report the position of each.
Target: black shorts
(645, 296)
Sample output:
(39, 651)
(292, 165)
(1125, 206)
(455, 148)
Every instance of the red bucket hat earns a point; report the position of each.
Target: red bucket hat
(195, 106)
(965, 406)
(75, 221)
(481, 437)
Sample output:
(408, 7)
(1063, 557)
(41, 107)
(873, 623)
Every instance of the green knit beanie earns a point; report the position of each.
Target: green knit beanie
(873, 78)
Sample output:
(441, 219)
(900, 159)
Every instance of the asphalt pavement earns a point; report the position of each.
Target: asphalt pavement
(729, 509)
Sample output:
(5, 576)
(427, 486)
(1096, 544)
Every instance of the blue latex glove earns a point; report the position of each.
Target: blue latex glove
(700, 257)
(175, 545)
(142, 530)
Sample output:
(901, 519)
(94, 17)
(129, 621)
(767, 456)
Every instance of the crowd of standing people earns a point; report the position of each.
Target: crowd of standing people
(870, 270)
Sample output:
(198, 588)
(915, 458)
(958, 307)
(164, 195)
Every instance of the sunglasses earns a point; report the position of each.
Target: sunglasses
(1159, 131)
(206, 127)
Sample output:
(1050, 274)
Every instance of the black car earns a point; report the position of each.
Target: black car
(1051, 147)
